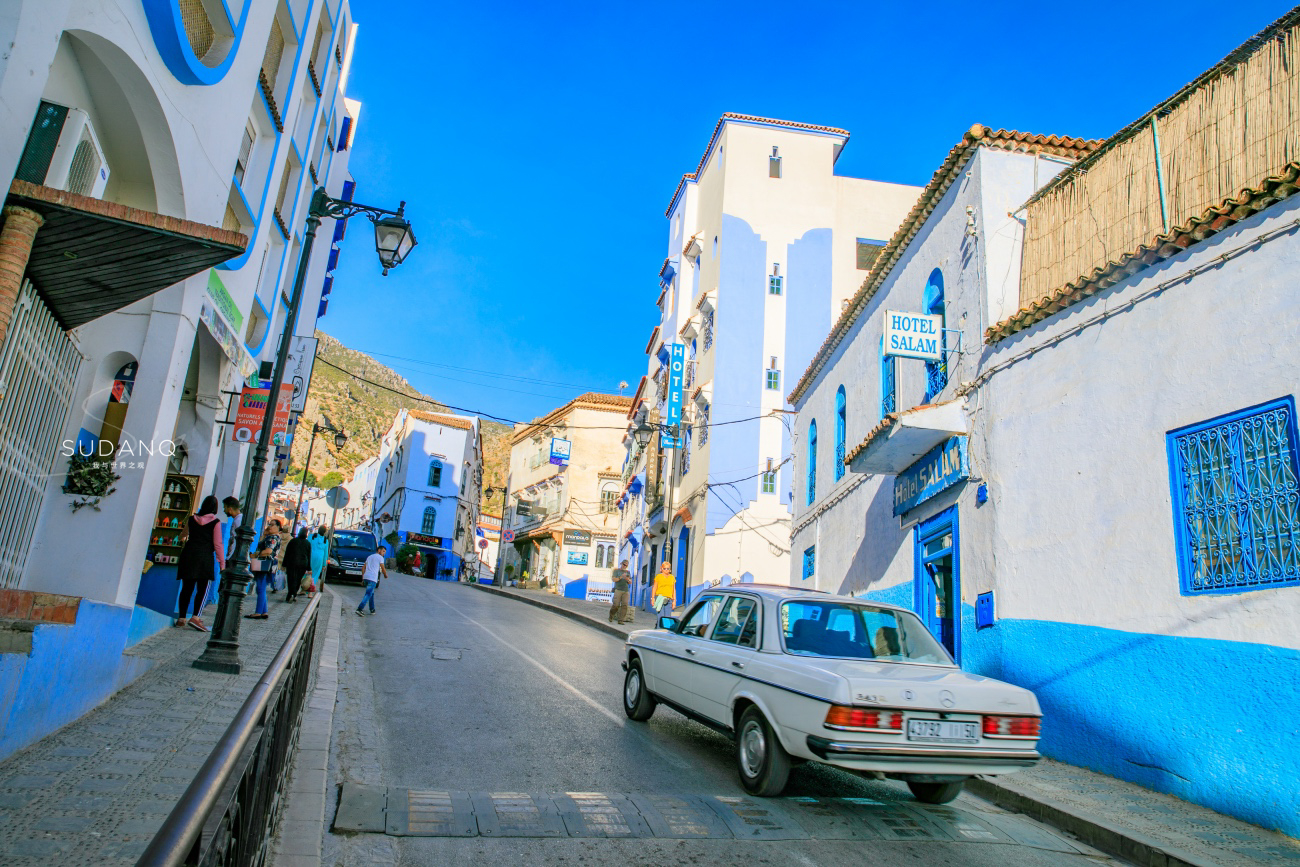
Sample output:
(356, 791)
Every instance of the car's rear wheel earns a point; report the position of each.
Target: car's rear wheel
(763, 763)
(638, 703)
(935, 793)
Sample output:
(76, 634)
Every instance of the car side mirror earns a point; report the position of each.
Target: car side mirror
(669, 623)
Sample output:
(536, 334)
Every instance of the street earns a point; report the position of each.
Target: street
(449, 689)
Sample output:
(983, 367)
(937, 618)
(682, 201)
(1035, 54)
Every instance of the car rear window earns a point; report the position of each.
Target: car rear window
(852, 631)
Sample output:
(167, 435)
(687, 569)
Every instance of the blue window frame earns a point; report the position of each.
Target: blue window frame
(430, 518)
(773, 380)
(435, 473)
(812, 461)
(887, 381)
(936, 372)
(809, 562)
(841, 425)
(774, 284)
(1236, 516)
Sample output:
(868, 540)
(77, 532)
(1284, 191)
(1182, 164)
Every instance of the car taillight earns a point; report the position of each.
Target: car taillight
(1011, 726)
(864, 718)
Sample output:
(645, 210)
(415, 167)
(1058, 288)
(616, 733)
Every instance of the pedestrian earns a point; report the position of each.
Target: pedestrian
(202, 552)
(373, 570)
(417, 564)
(320, 549)
(297, 565)
(619, 610)
(265, 562)
(665, 590)
(230, 505)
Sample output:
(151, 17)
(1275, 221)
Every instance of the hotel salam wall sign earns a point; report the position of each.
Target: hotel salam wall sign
(939, 469)
(914, 335)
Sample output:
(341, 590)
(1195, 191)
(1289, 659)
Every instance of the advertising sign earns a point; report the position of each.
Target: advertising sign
(297, 371)
(580, 538)
(676, 380)
(914, 335)
(577, 558)
(560, 450)
(249, 410)
(220, 314)
(942, 467)
(422, 539)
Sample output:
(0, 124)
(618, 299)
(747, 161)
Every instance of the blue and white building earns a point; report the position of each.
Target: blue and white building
(428, 483)
(765, 243)
(1093, 491)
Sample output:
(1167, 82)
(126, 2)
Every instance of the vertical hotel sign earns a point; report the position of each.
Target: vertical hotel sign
(676, 379)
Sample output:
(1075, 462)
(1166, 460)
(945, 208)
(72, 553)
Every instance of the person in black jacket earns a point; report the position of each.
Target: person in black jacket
(297, 563)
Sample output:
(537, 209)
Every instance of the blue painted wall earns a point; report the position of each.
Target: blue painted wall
(71, 670)
(739, 363)
(1213, 722)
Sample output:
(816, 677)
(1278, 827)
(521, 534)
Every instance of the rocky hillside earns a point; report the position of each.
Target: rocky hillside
(365, 413)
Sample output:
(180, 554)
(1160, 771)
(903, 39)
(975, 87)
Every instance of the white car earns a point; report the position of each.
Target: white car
(796, 676)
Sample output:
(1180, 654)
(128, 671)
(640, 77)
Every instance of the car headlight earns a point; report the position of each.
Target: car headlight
(332, 562)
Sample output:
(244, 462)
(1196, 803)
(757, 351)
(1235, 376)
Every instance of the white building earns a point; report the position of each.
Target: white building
(1096, 497)
(765, 242)
(162, 155)
(428, 484)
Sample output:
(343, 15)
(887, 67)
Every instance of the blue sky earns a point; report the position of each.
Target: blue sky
(537, 146)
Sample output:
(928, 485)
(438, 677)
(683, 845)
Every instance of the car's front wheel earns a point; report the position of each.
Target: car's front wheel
(638, 703)
(935, 793)
(763, 763)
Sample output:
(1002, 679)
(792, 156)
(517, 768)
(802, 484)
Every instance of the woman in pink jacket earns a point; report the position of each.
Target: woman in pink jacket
(195, 569)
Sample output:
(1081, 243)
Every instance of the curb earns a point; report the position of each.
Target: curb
(563, 612)
(1096, 832)
(1092, 830)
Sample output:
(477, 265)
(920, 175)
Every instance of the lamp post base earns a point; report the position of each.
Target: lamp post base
(221, 657)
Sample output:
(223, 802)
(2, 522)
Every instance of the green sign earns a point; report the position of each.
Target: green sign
(225, 304)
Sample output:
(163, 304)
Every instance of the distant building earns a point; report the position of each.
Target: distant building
(563, 483)
(428, 481)
(765, 244)
(489, 531)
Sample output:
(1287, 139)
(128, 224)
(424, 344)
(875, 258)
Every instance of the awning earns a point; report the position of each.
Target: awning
(904, 437)
(92, 257)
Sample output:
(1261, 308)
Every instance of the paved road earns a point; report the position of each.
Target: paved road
(450, 689)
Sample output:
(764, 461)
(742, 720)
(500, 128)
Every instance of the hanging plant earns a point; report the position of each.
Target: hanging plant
(89, 480)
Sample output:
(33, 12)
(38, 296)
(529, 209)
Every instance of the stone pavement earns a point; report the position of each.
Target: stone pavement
(1142, 826)
(97, 790)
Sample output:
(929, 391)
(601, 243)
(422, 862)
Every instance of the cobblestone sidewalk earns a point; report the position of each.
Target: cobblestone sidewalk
(97, 790)
(1143, 826)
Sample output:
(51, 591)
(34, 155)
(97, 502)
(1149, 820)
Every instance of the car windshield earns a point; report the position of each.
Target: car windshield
(850, 631)
(365, 541)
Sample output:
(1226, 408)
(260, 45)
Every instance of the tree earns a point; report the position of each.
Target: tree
(330, 479)
(296, 476)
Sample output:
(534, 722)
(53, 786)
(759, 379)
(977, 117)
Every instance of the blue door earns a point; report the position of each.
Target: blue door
(937, 582)
(683, 562)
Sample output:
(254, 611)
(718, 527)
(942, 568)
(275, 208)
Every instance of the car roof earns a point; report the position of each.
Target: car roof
(782, 592)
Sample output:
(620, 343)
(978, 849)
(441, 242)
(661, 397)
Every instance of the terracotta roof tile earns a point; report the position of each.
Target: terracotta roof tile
(589, 400)
(949, 170)
(1215, 219)
(455, 421)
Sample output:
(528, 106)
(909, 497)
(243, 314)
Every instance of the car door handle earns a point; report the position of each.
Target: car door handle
(691, 652)
(738, 664)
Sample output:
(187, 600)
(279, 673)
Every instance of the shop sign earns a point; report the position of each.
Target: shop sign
(249, 412)
(421, 539)
(297, 370)
(577, 558)
(676, 379)
(219, 312)
(942, 467)
(578, 538)
(560, 451)
(913, 335)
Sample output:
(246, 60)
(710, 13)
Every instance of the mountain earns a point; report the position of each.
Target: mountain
(365, 412)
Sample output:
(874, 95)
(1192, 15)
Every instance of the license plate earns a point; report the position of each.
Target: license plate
(942, 731)
(353, 571)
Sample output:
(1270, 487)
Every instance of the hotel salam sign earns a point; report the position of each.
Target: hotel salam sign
(914, 335)
(939, 469)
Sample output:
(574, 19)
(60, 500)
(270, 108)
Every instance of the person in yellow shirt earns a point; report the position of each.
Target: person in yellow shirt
(665, 597)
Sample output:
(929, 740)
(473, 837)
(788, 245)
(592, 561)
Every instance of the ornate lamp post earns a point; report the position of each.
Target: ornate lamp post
(394, 240)
(340, 440)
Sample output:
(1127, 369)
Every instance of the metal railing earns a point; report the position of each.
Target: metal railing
(228, 812)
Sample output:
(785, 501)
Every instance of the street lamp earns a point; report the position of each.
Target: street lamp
(340, 440)
(394, 240)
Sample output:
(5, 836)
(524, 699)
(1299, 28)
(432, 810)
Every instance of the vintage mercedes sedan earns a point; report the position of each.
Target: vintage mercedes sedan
(798, 676)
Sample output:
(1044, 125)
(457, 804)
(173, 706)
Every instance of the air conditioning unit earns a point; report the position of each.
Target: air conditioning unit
(78, 164)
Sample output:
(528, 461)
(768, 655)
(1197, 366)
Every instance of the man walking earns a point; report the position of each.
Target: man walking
(374, 568)
(619, 610)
